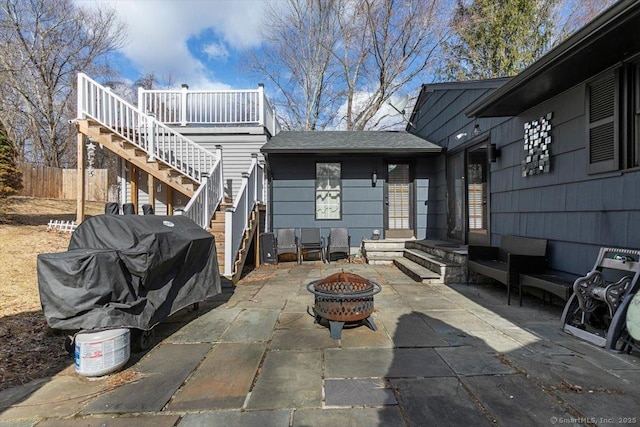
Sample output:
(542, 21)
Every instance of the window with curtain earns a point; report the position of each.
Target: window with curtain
(328, 191)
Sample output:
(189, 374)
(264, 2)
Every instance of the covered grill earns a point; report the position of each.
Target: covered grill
(344, 298)
(127, 271)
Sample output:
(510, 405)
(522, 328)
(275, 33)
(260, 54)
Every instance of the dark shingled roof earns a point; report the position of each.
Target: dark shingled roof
(290, 142)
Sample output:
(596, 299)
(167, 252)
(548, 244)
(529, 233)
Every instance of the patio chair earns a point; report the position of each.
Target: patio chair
(339, 242)
(310, 241)
(286, 242)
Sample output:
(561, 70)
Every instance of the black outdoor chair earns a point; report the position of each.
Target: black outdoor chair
(339, 242)
(287, 242)
(310, 241)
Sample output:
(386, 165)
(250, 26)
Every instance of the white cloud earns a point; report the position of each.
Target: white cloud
(386, 118)
(216, 51)
(158, 31)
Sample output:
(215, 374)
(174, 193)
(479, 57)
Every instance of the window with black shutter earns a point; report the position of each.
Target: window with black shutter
(613, 119)
(603, 152)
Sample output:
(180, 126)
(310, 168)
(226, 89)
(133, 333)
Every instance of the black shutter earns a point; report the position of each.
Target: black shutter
(602, 133)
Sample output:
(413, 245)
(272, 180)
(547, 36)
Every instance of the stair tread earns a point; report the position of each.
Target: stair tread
(423, 272)
(434, 258)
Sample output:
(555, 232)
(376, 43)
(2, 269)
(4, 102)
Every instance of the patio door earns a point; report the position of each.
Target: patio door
(468, 196)
(478, 195)
(399, 201)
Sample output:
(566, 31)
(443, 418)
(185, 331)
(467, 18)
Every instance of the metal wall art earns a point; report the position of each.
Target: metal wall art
(537, 139)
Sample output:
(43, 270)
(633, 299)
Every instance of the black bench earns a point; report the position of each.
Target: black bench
(505, 263)
(554, 282)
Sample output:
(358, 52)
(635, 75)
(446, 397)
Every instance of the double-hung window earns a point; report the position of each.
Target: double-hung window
(613, 119)
(328, 190)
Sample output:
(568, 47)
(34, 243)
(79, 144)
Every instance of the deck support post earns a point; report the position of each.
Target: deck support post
(80, 180)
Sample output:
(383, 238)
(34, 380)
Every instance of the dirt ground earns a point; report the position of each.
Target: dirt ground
(31, 350)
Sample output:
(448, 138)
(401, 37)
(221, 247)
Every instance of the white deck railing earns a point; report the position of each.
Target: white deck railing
(160, 142)
(209, 195)
(205, 107)
(237, 217)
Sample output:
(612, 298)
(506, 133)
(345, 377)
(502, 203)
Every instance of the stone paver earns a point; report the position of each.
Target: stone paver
(304, 338)
(441, 401)
(207, 328)
(353, 392)
(163, 371)
(474, 361)
(441, 355)
(62, 396)
(238, 419)
(223, 380)
(288, 379)
(380, 363)
(124, 421)
(514, 400)
(356, 417)
(251, 325)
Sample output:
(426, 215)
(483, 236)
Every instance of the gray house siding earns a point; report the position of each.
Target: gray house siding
(577, 212)
(438, 117)
(293, 194)
(236, 151)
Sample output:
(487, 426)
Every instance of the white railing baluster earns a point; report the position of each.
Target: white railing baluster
(158, 140)
(228, 107)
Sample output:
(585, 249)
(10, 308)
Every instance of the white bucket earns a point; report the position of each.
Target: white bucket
(99, 353)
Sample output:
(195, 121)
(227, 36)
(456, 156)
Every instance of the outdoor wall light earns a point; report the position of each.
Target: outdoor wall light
(494, 153)
(374, 177)
(476, 129)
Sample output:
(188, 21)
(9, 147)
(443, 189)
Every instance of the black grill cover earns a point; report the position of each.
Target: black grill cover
(127, 271)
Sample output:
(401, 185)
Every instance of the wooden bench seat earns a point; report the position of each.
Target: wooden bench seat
(515, 255)
(554, 282)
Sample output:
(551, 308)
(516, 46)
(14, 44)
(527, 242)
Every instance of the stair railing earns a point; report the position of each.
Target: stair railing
(237, 217)
(209, 195)
(159, 141)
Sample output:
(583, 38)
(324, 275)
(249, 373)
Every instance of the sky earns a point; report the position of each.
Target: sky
(198, 42)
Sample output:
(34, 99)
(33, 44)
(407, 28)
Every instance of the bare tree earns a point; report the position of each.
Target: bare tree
(43, 45)
(335, 63)
(390, 44)
(574, 14)
(297, 61)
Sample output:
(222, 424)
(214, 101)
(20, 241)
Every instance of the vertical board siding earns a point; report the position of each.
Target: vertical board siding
(56, 183)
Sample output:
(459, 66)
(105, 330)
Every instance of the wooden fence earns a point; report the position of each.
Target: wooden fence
(54, 183)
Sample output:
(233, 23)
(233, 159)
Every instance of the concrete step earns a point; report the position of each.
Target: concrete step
(380, 259)
(447, 270)
(416, 271)
(449, 251)
(387, 254)
(383, 245)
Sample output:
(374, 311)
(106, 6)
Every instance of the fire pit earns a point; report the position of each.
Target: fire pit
(343, 298)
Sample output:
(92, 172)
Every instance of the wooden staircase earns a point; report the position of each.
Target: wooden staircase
(217, 229)
(137, 157)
